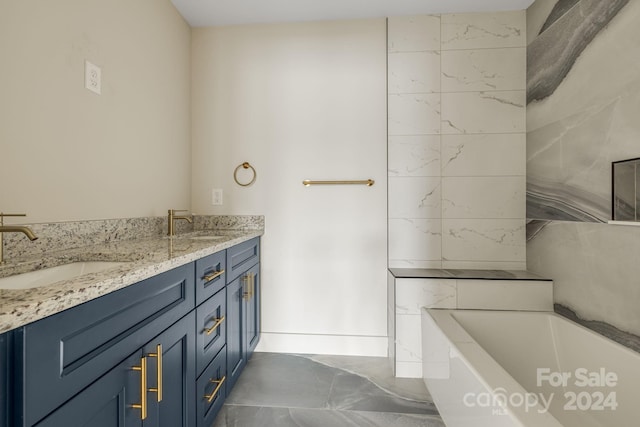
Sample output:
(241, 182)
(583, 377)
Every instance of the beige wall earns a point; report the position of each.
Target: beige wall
(301, 101)
(68, 154)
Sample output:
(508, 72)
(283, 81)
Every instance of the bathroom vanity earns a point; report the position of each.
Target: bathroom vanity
(163, 351)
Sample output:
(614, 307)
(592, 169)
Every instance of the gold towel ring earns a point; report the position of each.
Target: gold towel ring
(245, 165)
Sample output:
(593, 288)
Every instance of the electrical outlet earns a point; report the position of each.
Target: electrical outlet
(92, 77)
(216, 196)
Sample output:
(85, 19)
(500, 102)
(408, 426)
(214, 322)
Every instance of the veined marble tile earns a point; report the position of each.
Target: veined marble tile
(552, 54)
(484, 30)
(408, 342)
(414, 114)
(484, 197)
(414, 155)
(537, 15)
(485, 265)
(483, 240)
(414, 72)
(594, 268)
(484, 154)
(411, 197)
(414, 33)
(413, 294)
(415, 239)
(484, 69)
(411, 263)
(483, 112)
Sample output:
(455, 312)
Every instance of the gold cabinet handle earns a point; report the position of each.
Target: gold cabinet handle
(249, 278)
(219, 383)
(158, 354)
(215, 274)
(143, 388)
(215, 326)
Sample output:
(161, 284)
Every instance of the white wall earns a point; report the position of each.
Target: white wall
(68, 154)
(301, 101)
(457, 141)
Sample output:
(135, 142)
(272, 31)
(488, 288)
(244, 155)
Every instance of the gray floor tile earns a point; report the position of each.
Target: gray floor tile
(251, 416)
(285, 390)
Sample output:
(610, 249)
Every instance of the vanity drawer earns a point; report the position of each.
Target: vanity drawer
(210, 275)
(211, 390)
(211, 329)
(66, 352)
(241, 257)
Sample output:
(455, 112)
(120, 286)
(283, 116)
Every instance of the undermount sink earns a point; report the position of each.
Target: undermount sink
(51, 275)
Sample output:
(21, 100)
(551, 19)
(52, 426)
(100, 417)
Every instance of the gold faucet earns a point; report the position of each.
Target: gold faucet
(173, 217)
(12, 229)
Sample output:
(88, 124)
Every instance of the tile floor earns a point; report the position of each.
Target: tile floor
(287, 390)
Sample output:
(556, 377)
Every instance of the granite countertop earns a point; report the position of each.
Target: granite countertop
(439, 273)
(144, 258)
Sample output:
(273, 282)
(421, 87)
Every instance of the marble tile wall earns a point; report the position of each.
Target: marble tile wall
(456, 92)
(583, 91)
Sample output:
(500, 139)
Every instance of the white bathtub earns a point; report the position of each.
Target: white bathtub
(510, 368)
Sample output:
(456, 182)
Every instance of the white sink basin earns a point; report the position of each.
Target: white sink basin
(49, 276)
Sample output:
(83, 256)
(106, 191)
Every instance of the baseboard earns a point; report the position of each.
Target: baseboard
(342, 345)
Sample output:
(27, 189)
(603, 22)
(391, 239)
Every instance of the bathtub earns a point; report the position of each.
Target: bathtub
(516, 368)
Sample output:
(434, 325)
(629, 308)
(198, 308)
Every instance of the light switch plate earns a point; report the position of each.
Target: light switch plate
(92, 77)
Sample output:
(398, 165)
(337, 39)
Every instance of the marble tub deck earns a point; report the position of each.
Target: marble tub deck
(287, 390)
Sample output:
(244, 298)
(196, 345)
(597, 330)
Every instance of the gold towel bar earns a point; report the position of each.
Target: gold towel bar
(367, 182)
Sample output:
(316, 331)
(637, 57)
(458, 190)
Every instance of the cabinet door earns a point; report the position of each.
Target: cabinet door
(252, 301)
(171, 376)
(236, 342)
(105, 403)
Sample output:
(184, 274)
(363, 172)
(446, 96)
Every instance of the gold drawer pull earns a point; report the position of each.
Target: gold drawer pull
(143, 388)
(210, 277)
(215, 326)
(219, 384)
(158, 354)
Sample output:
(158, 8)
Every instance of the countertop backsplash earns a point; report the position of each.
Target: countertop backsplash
(76, 234)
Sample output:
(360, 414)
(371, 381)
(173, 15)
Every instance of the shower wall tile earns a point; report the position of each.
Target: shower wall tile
(414, 155)
(484, 197)
(414, 72)
(484, 70)
(411, 197)
(415, 239)
(414, 114)
(475, 155)
(414, 33)
(485, 265)
(456, 110)
(411, 263)
(483, 30)
(483, 240)
(413, 294)
(483, 112)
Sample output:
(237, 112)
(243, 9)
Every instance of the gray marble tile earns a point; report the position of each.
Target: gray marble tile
(323, 390)
(283, 381)
(355, 393)
(553, 53)
(251, 416)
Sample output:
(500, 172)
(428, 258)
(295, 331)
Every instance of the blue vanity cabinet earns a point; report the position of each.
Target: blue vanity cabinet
(105, 403)
(243, 306)
(4, 379)
(62, 354)
(252, 302)
(236, 323)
